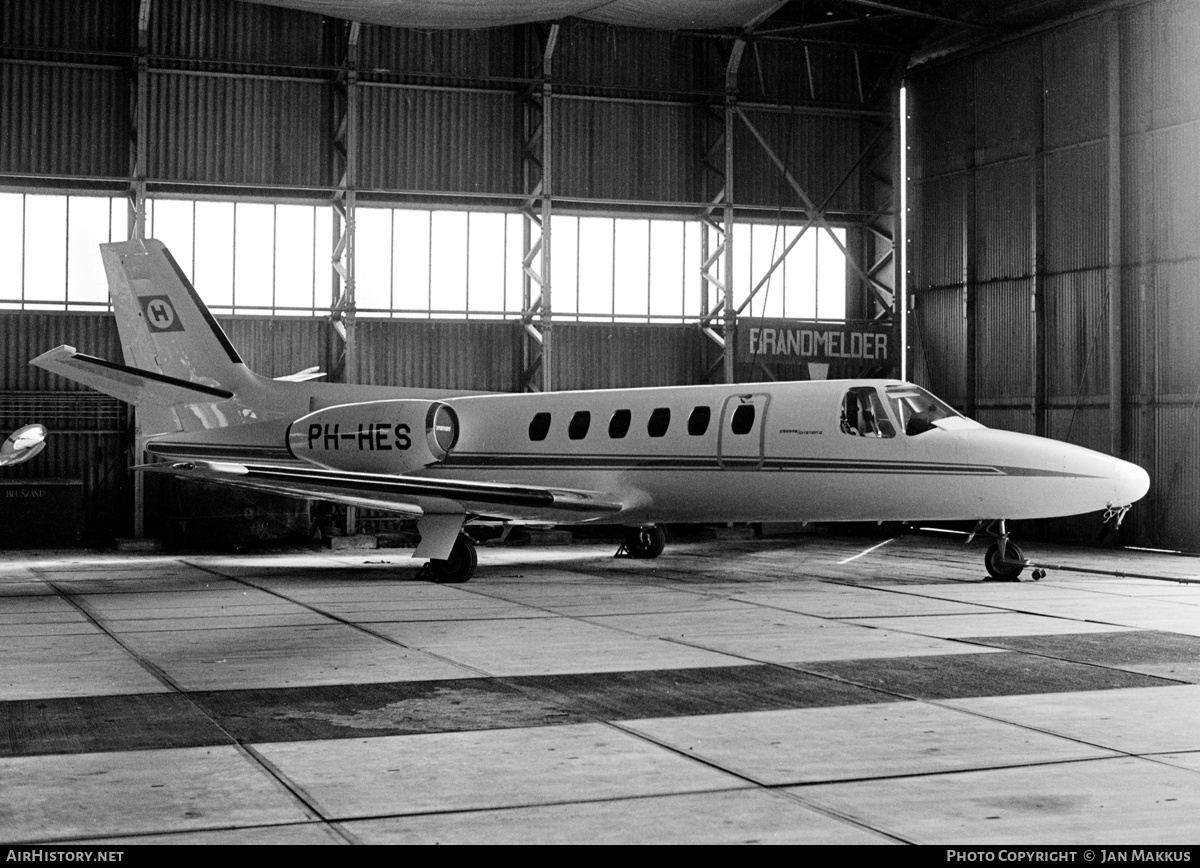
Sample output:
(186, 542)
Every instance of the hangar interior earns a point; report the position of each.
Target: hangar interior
(522, 195)
(584, 196)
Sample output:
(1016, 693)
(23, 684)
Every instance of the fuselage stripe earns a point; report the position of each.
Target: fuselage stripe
(517, 462)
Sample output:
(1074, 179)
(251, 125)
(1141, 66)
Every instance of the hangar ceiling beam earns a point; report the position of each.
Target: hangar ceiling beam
(912, 13)
(344, 367)
(536, 312)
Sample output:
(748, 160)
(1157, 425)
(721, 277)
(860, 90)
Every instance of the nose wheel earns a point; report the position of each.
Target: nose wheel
(1004, 559)
(1004, 563)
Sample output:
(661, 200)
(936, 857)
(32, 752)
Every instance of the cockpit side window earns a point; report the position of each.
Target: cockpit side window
(863, 414)
(916, 409)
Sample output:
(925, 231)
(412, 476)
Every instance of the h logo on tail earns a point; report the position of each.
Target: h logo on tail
(160, 314)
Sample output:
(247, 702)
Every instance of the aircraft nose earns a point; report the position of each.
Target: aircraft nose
(1132, 483)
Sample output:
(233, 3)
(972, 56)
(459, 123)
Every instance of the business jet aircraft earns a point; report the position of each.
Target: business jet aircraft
(851, 450)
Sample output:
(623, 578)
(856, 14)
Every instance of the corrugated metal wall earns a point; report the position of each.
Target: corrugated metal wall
(1022, 130)
(71, 121)
(242, 95)
(240, 35)
(223, 128)
(419, 139)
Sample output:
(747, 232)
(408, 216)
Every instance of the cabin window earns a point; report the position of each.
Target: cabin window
(863, 414)
(743, 419)
(539, 427)
(618, 425)
(660, 421)
(580, 423)
(698, 421)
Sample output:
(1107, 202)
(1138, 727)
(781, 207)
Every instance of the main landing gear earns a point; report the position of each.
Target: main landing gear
(460, 566)
(1004, 559)
(643, 542)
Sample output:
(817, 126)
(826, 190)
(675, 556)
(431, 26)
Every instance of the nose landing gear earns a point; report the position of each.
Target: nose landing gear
(1004, 559)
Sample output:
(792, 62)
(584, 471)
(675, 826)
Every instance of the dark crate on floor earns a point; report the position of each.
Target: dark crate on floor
(37, 513)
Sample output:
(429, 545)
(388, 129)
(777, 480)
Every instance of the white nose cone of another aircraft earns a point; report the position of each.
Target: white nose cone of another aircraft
(23, 444)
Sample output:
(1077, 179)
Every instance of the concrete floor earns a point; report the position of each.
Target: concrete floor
(775, 690)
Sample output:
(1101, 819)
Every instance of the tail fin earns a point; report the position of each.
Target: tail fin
(164, 326)
(180, 369)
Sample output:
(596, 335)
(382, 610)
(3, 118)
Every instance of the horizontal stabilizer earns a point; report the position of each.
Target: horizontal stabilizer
(131, 385)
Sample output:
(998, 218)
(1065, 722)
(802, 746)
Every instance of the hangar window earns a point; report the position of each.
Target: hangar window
(660, 420)
(274, 258)
(743, 419)
(698, 421)
(539, 427)
(48, 255)
(580, 423)
(618, 425)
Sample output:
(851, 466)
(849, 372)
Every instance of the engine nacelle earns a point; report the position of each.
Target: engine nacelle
(376, 436)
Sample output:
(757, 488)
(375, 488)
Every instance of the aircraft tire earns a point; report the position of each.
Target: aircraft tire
(1004, 571)
(457, 568)
(645, 543)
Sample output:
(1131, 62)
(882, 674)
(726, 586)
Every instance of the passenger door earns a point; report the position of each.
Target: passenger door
(743, 431)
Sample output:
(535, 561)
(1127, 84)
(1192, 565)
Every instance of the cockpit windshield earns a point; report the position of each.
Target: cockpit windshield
(917, 410)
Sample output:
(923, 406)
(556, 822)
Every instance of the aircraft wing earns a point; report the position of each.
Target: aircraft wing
(411, 495)
(131, 385)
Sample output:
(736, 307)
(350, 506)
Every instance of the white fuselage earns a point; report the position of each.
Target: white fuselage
(792, 463)
(789, 458)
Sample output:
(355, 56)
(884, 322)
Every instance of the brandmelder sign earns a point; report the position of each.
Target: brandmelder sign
(789, 340)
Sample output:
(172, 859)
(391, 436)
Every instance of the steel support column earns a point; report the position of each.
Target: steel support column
(1037, 284)
(344, 366)
(138, 134)
(716, 246)
(1115, 376)
(969, 289)
(536, 312)
(139, 94)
